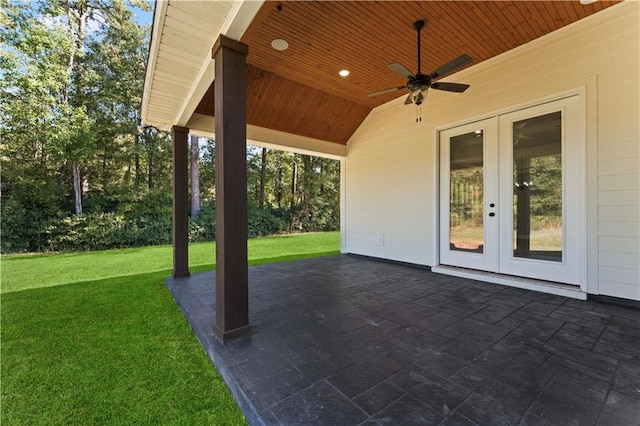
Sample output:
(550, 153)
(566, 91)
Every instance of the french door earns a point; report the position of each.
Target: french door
(511, 193)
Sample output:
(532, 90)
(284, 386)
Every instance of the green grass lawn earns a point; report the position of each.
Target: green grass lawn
(21, 272)
(95, 338)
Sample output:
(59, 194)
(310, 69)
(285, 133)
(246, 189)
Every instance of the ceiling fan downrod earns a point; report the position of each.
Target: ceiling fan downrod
(418, 25)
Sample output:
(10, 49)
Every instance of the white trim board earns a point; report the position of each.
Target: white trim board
(558, 289)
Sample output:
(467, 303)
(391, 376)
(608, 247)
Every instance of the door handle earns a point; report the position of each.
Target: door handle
(492, 205)
(492, 214)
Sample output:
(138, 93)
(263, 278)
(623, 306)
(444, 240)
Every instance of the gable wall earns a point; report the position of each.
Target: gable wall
(390, 179)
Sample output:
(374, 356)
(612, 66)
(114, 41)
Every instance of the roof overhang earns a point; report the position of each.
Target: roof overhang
(180, 68)
(295, 99)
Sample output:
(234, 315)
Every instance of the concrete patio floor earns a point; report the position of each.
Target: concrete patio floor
(345, 340)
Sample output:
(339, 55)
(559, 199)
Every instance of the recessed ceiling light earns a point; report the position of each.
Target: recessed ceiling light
(343, 73)
(280, 44)
(587, 1)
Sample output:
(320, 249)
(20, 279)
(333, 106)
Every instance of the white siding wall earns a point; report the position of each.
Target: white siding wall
(391, 167)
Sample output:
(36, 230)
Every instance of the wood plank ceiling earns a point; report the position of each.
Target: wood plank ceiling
(299, 90)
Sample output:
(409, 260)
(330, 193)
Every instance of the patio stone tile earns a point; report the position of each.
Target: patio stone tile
(357, 379)
(457, 419)
(460, 310)
(402, 314)
(624, 325)
(408, 410)
(438, 321)
(534, 334)
(558, 386)
(578, 335)
(510, 322)
(269, 419)
(591, 360)
(418, 291)
(531, 419)
(443, 397)
(595, 373)
(521, 351)
(627, 379)
(312, 364)
(349, 340)
(516, 372)
(264, 394)
(391, 361)
(378, 397)
(492, 314)
(487, 411)
(463, 306)
(620, 311)
(582, 317)
(620, 410)
(414, 374)
(417, 342)
(568, 375)
(514, 399)
(505, 301)
(562, 408)
(351, 354)
(264, 365)
(369, 422)
(468, 346)
(474, 326)
(440, 362)
(624, 346)
(320, 404)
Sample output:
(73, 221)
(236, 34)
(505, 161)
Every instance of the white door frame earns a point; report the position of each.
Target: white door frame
(488, 259)
(568, 270)
(574, 145)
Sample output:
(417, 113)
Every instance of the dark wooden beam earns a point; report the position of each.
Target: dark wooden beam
(180, 202)
(232, 283)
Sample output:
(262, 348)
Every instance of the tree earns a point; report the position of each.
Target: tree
(71, 75)
(263, 172)
(71, 78)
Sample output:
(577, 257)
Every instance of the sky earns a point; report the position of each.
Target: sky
(143, 17)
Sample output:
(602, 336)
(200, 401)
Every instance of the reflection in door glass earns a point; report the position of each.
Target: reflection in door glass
(537, 189)
(466, 192)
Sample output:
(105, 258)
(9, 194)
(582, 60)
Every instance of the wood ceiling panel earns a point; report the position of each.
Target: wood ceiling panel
(309, 112)
(364, 37)
(299, 90)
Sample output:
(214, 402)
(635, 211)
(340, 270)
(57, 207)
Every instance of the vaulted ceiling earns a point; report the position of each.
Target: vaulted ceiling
(299, 90)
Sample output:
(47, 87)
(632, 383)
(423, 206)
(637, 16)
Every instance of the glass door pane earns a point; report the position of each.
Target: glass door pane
(542, 191)
(537, 188)
(469, 195)
(466, 192)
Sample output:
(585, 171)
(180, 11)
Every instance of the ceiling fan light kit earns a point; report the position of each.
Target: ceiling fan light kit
(419, 84)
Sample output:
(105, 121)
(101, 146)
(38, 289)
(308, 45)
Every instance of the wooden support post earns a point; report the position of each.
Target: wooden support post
(232, 283)
(180, 202)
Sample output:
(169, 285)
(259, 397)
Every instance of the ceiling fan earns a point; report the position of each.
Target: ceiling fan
(419, 84)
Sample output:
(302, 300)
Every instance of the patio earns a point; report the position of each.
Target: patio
(350, 340)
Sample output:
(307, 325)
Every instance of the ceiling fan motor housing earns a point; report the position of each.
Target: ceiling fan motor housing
(418, 87)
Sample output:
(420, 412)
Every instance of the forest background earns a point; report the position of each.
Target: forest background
(79, 172)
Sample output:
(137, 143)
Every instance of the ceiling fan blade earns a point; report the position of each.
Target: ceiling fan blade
(409, 100)
(382, 92)
(450, 67)
(450, 87)
(400, 69)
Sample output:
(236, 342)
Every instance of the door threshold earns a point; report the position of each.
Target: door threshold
(566, 290)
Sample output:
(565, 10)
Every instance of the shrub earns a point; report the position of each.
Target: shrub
(261, 222)
(203, 228)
